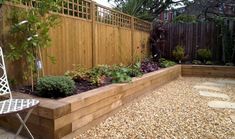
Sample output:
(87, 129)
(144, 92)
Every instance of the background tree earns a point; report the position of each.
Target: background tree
(145, 9)
(222, 12)
(209, 9)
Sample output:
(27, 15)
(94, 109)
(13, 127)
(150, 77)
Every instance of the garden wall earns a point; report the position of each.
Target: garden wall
(208, 71)
(67, 117)
(90, 36)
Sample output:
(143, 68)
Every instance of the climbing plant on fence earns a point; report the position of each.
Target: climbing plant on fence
(29, 33)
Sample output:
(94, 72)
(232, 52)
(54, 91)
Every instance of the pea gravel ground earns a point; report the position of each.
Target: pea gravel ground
(175, 111)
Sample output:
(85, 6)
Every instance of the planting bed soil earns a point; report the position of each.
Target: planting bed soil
(81, 87)
(175, 110)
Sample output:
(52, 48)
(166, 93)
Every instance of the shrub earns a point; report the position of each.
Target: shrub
(204, 55)
(135, 70)
(78, 73)
(178, 53)
(209, 63)
(149, 66)
(229, 64)
(55, 86)
(166, 63)
(120, 74)
(196, 62)
(99, 75)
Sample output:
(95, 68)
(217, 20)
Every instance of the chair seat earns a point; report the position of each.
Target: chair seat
(11, 106)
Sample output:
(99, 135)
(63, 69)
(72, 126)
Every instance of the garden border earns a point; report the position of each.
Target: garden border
(67, 117)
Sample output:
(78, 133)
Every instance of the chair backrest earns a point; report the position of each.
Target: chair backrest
(4, 85)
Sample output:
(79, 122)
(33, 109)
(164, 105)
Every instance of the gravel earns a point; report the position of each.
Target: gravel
(175, 110)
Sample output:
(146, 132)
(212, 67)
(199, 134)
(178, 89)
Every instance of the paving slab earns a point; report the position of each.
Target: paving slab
(214, 84)
(221, 104)
(213, 94)
(231, 82)
(211, 88)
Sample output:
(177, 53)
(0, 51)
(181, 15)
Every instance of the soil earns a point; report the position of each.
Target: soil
(81, 87)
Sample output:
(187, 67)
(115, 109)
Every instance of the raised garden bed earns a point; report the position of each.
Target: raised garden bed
(65, 118)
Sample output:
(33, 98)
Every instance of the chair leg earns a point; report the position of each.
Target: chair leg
(23, 124)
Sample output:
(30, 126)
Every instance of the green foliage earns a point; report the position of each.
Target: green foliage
(204, 55)
(135, 70)
(29, 31)
(166, 63)
(183, 18)
(120, 74)
(229, 64)
(209, 63)
(99, 75)
(179, 52)
(78, 73)
(196, 62)
(55, 86)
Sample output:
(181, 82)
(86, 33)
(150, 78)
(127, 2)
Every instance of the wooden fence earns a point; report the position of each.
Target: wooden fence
(90, 34)
(192, 37)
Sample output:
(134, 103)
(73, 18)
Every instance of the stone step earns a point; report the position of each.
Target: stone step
(227, 81)
(214, 84)
(204, 87)
(221, 104)
(213, 94)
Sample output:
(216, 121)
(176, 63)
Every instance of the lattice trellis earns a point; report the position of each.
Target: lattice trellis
(77, 8)
(142, 25)
(83, 9)
(109, 16)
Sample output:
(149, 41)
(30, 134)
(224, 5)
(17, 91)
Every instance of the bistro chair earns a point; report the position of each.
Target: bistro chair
(12, 106)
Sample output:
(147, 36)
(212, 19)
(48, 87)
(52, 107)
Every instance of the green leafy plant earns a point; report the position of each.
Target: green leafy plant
(135, 70)
(229, 64)
(29, 33)
(166, 63)
(78, 73)
(196, 62)
(183, 18)
(209, 63)
(119, 74)
(100, 75)
(204, 55)
(179, 53)
(55, 86)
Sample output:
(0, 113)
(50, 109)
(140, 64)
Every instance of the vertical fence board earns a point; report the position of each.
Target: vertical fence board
(192, 37)
(97, 35)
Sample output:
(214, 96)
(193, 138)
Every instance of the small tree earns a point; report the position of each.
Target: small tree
(179, 53)
(204, 55)
(30, 32)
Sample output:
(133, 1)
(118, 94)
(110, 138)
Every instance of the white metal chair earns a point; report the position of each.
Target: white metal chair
(14, 106)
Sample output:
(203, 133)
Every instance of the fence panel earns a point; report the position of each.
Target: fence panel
(191, 37)
(90, 34)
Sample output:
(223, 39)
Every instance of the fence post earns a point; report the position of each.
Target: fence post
(94, 45)
(132, 38)
(1, 25)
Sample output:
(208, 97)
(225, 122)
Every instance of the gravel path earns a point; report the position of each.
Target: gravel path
(175, 110)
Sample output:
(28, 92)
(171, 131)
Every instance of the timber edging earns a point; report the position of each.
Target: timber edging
(67, 117)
